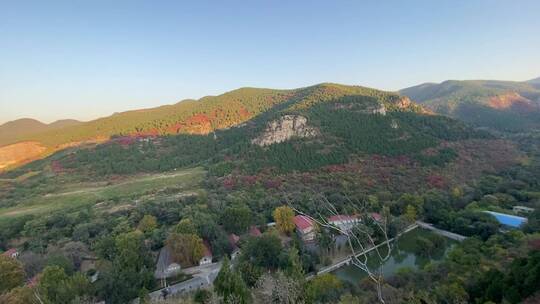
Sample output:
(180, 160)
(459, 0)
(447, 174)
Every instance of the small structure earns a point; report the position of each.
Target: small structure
(233, 241)
(344, 222)
(305, 228)
(522, 209)
(376, 216)
(166, 267)
(254, 231)
(207, 255)
(12, 253)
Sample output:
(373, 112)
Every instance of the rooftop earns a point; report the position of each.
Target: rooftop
(302, 222)
(342, 217)
(254, 231)
(376, 216)
(233, 239)
(10, 252)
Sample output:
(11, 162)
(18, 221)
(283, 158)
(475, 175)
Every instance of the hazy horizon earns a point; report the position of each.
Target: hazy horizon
(83, 61)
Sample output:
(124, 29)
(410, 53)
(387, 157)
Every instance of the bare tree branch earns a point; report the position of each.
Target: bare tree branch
(360, 238)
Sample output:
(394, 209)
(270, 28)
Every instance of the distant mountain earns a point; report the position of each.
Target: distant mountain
(191, 116)
(535, 82)
(15, 130)
(500, 105)
(352, 119)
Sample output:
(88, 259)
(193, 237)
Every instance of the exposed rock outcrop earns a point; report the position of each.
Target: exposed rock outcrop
(285, 128)
(514, 101)
(404, 102)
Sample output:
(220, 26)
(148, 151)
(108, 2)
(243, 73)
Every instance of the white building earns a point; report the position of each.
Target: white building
(344, 222)
(522, 209)
(207, 255)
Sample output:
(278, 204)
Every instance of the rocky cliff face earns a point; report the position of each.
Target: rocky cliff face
(404, 102)
(285, 128)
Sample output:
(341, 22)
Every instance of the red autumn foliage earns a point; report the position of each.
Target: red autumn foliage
(229, 183)
(436, 181)
(57, 167)
(272, 184)
(249, 180)
(534, 244)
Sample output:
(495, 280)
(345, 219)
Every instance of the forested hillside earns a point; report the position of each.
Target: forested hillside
(499, 105)
(111, 208)
(347, 122)
(198, 116)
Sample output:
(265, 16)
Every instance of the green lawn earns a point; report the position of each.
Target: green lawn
(183, 180)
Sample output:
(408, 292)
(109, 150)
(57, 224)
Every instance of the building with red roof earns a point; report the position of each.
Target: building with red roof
(12, 253)
(305, 228)
(254, 231)
(376, 216)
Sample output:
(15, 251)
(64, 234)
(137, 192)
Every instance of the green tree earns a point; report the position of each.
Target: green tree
(284, 218)
(61, 261)
(148, 223)
(410, 213)
(185, 226)
(295, 269)
(324, 288)
(230, 286)
(54, 286)
(144, 297)
(19, 295)
(129, 271)
(236, 219)
(186, 249)
(11, 273)
(263, 251)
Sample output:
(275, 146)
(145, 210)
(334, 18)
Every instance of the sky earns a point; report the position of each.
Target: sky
(87, 59)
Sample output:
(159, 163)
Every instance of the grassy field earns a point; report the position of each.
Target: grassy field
(187, 180)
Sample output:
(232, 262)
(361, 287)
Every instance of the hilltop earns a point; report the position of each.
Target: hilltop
(499, 105)
(201, 116)
(535, 82)
(15, 130)
(223, 164)
(250, 130)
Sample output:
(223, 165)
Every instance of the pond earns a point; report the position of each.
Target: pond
(404, 254)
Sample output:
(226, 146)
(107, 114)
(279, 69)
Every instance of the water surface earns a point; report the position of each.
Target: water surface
(403, 255)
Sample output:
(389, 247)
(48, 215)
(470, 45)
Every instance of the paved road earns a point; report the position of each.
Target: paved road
(203, 276)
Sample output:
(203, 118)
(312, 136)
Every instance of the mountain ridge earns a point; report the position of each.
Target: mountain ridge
(12, 130)
(253, 106)
(500, 105)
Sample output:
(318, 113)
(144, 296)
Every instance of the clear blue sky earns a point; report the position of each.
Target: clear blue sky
(85, 59)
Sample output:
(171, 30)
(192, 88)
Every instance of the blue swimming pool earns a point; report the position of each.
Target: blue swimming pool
(508, 220)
